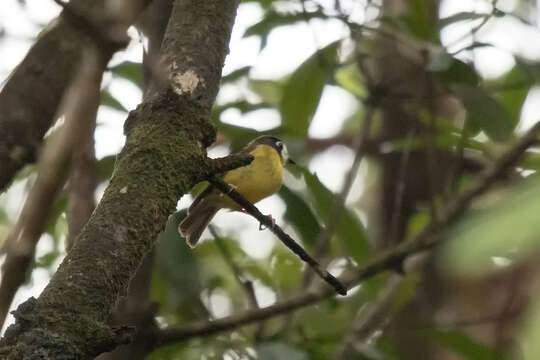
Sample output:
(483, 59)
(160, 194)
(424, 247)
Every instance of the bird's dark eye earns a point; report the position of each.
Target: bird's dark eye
(279, 145)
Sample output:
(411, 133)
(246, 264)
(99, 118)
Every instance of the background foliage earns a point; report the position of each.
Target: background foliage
(475, 298)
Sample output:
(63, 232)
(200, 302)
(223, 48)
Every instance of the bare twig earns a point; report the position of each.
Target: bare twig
(81, 103)
(427, 239)
(284, 237)
(246, 285)
(400, 190)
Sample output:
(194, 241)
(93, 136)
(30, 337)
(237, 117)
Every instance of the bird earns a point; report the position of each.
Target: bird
(256, 181)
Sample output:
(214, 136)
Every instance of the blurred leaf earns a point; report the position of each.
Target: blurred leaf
(453, 71)
(419, 20)
(236, 74)
(303, 91)
(108, 100)
(269, 91)
(532, 69)
(417, 222)
(460, 16)
(485, 112)
(350, 230)
(58, 208)
(105, 167)
(513, 88)
(530, 160)
(273, 19)
(299, 215)
(280, 351)
(286, 268)
(48, 259)
(466, 346)
(178, 269)
(350, 78)
(509, 227)
(243, 106)
(406, 290)
(129, 70)
(239, 136)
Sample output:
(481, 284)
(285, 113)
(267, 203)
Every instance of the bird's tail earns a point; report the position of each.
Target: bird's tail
(197, 220)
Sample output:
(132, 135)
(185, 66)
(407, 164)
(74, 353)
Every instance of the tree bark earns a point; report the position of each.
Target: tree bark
(163, 158)
(29, 100)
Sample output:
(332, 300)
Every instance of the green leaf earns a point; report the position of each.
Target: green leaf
(280, 351)
(508, 229)
(243, 106)
(466, 346)
(177, 267)
(269, 91)
(513, 88)
(300, 216)
(286, 268)
(105, 167)
(129, 70)
(303, 91)
(350, 230)
(236, 74)
(485, 112)
(350, 79)
(274, 19)
(450, 70)
(108, 100)
(419, 20)
(239, 136)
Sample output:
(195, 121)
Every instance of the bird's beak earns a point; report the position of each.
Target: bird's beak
(290, 161)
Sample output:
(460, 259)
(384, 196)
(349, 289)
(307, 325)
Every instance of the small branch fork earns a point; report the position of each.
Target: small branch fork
(427, 239)
(282, 235)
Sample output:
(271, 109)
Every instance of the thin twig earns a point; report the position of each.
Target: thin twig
(338, 205)
(284, 237)
(246, 285)
(400, 190)
(427, 239)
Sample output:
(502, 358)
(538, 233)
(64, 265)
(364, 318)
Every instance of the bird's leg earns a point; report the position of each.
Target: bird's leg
(261, 225)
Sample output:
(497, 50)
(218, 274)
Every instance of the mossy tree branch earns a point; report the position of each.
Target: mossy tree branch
(164, 156)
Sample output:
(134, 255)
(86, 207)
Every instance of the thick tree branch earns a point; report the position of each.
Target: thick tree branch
(387, 261)
(30, 98)
(163, 158)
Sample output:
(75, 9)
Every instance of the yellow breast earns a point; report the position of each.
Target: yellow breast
(260, 179)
